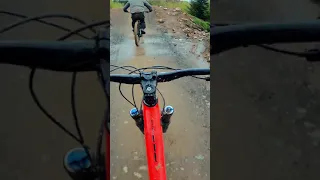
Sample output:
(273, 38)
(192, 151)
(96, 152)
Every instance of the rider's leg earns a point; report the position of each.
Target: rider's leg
(134, 19)
(142, 24)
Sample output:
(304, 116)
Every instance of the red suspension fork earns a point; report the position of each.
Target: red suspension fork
(154, 142)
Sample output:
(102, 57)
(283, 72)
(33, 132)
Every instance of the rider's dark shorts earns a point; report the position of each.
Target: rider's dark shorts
(138, 16)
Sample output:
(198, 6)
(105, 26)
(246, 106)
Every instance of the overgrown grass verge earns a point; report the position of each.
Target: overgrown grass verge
(204, 25)
(115, 5)
(182, 5)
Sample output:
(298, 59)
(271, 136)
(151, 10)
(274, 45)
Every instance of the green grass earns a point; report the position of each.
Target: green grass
(115, 5)
(204, 25)
(182, 5)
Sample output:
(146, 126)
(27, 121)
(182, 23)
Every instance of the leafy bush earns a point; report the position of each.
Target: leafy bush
(200, 9)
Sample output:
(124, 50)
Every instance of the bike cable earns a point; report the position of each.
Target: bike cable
(42, 21)
(80, 140)
(100, 132)
(33, 70)
(142, 69)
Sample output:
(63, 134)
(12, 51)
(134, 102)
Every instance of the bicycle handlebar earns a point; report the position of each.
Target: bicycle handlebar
(227, 37)
(56, 55)
(161, 77)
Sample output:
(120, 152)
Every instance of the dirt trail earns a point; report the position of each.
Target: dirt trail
(187, 139)
(180, 25)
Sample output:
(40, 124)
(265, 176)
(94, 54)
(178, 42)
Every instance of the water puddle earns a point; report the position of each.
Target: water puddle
(154, 45)
(123, 50)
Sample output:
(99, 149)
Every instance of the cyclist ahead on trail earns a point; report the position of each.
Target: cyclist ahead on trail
(137, 8)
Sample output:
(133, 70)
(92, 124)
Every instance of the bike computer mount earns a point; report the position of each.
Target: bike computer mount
(149, 88)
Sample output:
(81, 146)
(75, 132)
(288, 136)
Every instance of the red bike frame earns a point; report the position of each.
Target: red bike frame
(154, 142)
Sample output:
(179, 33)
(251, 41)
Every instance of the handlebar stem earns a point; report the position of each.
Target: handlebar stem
(149, 88)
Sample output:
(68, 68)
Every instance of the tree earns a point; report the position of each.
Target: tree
(200, 9)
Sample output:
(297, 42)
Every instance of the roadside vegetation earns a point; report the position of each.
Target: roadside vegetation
(205, 25)
(172, 4)
(199, 9)
(114, 4)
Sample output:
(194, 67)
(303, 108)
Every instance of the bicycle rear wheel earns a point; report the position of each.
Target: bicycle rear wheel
(136, 33)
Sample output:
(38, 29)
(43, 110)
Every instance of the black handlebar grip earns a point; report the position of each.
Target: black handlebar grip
(55, 55)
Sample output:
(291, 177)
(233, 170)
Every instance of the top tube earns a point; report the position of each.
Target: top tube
(224, 38)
